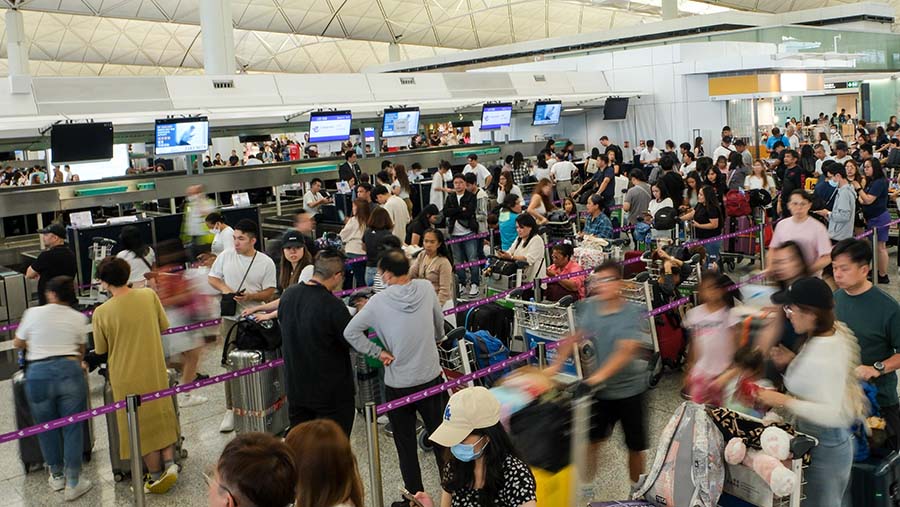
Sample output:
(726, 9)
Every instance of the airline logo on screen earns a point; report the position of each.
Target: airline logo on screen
(494, 117)
(329, 127)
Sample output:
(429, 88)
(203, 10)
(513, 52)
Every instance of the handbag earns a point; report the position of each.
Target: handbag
(228, 305)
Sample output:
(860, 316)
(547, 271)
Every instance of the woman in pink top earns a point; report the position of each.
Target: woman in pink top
(809, 234)
(713, 339)
(562, 264)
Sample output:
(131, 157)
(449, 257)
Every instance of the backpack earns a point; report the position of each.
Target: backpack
(665, 219)
(249, 334)
(759, 198)
(488, 350)
(737, 204)
(689, 470)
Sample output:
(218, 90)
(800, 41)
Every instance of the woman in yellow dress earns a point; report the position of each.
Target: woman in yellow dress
(128, 327)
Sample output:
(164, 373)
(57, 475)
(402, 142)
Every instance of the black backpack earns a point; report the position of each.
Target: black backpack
(665, 219)
(759, 198)
(250, 334)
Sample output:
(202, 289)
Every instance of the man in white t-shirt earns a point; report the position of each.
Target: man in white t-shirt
(722, 150)
(819, 151)
(397, 210)
(438, 185)
(481, 172)
(650, 155)
(313, 198)
(250, 276)
(562, 172)
(793, 138)
(840, 153)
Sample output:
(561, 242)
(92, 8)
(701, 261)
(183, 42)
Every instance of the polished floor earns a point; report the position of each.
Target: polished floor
(200, 426)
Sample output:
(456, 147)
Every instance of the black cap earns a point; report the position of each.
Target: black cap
(809, 291)
(292, 238)
(56, 229)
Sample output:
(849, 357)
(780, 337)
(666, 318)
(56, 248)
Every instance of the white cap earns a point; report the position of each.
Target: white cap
(471, 409)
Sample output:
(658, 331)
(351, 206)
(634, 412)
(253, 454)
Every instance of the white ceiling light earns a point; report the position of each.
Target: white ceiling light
(793, 82)
(573, 109)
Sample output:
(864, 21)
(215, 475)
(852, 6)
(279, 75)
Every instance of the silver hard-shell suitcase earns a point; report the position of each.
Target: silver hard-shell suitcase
(259, 399)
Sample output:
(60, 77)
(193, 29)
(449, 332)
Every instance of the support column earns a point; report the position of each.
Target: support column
(17, 52)
(393, 52)
(669, 9)
(217, 29)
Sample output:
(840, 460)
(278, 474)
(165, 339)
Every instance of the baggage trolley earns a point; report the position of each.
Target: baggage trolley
(745, 246)
(535, 323)
(641, 293)
(456, 355)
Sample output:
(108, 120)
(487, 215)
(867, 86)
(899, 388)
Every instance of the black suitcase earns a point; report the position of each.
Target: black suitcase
(875, 482)
(493, 318)
(29, 449)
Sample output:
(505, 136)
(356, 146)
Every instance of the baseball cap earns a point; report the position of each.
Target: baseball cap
(292, 238)
(809, 291)
(471, 409)
(55, 228)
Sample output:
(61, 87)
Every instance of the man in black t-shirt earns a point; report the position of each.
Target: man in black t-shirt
(673, 180)
(57, 260)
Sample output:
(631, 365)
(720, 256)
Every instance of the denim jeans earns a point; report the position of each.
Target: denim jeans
(358, 270)
(712, 250)
(828, 475)
(371, 271)
(56, 388)
(467, 251)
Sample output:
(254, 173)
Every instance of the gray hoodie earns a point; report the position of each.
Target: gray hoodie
(840, 221)
(408, 319)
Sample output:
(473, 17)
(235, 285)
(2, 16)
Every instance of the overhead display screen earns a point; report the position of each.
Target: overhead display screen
(615, 108)
(495, 116)
(400, 122)
(177, 136)
(81, 142)
(328, 126)
(547, 113)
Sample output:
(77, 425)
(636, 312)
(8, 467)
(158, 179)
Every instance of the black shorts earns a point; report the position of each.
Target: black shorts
(630, 411)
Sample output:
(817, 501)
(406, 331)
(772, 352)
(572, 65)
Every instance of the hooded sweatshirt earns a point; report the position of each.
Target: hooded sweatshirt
(407, 318)
(840, 222)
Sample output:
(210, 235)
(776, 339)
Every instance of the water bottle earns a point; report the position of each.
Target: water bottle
(532, 308)
(21, 359)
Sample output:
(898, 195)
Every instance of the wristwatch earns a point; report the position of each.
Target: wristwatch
(879, 367)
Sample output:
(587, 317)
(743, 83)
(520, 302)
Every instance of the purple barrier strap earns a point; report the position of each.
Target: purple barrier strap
(355, 260)
(500, 295)
(112, 407)
(469, 264)
(467, 238)
(872, 231)
(566, 276)
(721, 237)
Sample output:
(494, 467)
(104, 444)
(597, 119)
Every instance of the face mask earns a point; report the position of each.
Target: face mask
(832, 183)
(466, 452)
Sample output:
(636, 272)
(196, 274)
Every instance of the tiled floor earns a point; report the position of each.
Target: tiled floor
(204, 443)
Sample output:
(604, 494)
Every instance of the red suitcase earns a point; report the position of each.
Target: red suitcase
(671, 338)
(633, 268)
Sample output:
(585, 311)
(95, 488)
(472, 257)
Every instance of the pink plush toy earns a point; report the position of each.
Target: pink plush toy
(779, 478)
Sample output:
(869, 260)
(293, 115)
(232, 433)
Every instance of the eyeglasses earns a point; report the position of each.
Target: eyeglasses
(210, 481)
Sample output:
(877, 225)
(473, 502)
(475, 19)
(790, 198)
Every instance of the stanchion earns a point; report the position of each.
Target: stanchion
(581, 413)
(132, 402)
(375, 491)
(875, 256)
(542, 354)
(762, 242)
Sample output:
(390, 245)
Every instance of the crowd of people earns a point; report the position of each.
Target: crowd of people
(830, 328)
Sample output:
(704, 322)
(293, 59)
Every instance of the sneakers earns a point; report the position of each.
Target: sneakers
(227, 425)
(191, 400)
(200, 377)
(461, 290)
(57, 483)
(473, 290)
(163, 484)
(80, 489)
(382, 419)
(883, 280)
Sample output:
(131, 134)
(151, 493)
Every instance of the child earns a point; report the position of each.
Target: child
(569, 206)
(713, 339)
(740, 382)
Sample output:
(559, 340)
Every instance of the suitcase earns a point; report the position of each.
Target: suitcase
(259, 399)
(493, 318)
(29, 448)
(367, 381)
(632, 269)
(745, 244)
(875, 482)
(121, 469)
(672, 342)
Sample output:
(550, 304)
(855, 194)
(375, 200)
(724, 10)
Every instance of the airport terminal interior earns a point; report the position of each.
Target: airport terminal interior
(578, 252)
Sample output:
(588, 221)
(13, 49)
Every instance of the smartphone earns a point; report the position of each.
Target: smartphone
(407, 496)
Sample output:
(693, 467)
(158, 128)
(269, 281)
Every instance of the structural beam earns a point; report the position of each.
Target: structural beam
(217, 30)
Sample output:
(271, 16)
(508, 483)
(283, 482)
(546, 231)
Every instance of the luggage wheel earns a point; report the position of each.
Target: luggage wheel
(654, 380)
(118, 477)
(183, 454)
(424, 444)
(86, 457)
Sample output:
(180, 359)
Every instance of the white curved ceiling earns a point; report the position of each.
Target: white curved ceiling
(136, 37)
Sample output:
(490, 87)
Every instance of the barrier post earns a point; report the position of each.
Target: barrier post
(875, 256)
(542, 355)
(132, 402)
(762, 241)
(277, 200)
(375, 491)
(581, 413)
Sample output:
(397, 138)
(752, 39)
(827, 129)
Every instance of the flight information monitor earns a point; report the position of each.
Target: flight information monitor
(81, 142)
(400, 122)
(326, 126)
(547, 113)
(495, 116)
(178, 136)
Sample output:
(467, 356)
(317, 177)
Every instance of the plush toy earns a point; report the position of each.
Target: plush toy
(765, 463)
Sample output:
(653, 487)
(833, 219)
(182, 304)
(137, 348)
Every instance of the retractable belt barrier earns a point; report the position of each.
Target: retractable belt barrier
(872, 231)
(381, 409)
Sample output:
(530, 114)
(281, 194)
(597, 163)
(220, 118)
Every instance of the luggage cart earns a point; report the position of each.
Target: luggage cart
(501, 275)
(456, 355)
(548, 322)
(729, 254)
(641, 294)
(100, 249)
